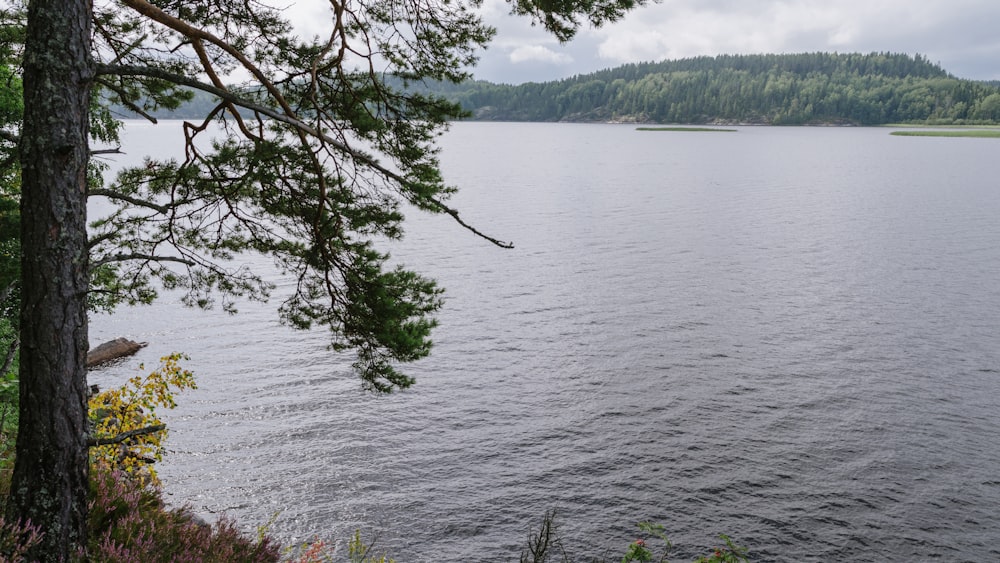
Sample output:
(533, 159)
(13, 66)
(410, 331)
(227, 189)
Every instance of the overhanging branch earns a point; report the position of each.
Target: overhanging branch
(147, 257)
(454, 215)
(111, 194)
(226, 95)
(123, 99)
(93, 442)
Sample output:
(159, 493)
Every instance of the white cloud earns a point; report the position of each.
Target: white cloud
(960, 34)
(686, 29)
(538, 53)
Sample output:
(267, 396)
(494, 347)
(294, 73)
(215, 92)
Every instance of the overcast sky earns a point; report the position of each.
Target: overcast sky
(962, 35)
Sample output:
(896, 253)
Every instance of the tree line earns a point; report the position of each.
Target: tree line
(770, 89)
(792, 89)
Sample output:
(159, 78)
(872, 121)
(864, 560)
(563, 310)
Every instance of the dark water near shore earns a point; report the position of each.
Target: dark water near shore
(791, 336)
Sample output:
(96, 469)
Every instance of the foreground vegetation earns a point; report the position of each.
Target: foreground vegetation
(129, 522)
(545, 545)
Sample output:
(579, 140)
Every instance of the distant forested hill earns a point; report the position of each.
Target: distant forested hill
(864, 89)
(809, 88)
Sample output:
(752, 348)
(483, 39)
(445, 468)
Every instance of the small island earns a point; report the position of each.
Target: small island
(979, 133)
(687, 129)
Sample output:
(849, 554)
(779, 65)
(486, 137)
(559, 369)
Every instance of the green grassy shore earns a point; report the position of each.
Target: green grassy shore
(978, 133)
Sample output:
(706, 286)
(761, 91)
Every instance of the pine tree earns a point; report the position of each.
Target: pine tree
(320, 150)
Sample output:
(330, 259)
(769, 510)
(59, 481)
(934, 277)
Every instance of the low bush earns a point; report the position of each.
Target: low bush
(16, 539)
(131, 524)
(128, 434)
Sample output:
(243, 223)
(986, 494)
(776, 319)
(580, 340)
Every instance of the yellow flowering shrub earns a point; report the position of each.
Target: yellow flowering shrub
(126, 432)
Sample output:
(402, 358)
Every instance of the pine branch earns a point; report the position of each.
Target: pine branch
(454, 215)
(94, 241)
(123, 99)
(300, 125)
(228, 96)
(287, 115)
(197, 35)
(111, 194)
(147, 257)
(93, 442)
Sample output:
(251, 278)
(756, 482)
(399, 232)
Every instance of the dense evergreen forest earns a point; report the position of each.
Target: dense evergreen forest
(862, 89)
(797, 89)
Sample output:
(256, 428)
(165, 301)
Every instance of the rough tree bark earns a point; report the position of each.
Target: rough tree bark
(49, 485)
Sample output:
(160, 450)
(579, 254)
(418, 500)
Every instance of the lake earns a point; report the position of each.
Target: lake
(788, 335)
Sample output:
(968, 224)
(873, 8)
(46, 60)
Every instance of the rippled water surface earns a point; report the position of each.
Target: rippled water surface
(790, 335)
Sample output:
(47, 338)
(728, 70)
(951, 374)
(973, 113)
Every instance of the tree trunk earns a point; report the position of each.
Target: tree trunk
(49, 485)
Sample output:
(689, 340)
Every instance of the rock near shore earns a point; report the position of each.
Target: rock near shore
(110, 351)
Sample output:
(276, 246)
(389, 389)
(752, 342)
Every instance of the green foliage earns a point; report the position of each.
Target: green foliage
(12, 16)
(731, 553)
(318, 153)
(563, 17)
(309, 163)
(130, 409)
(11, 108)
(545, 544)
(315, 163)
(637, 551)
(11, 102)
(640, 551)
(359, 552)
(792, 89)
